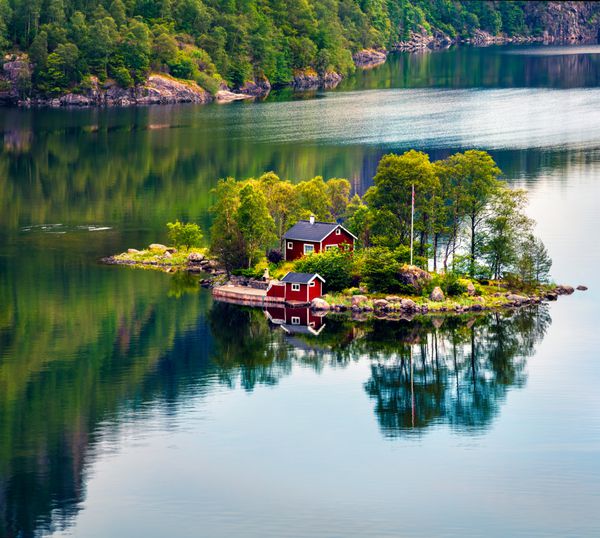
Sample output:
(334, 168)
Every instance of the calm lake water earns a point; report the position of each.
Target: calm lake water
(132, 405)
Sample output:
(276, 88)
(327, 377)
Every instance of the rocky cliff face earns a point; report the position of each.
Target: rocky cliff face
(567, 22)
(562, 22)
(158, 89)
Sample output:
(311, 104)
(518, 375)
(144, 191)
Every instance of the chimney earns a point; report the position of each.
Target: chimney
(312, 219)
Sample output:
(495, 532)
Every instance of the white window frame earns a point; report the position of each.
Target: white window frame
(295, 287)
(295, 320)
(338, 231)
(290, 245)
(311, 248)
(312, 284)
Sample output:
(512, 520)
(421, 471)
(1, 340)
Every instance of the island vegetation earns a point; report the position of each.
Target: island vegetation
(474, 245)
(59, 46)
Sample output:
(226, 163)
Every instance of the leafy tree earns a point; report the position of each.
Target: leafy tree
(338, 191)
(392, 192)
(473, 176)
(504, 229)
(227, 242)
(313, 198)
(255, 223)
(135, 50)
(282, 202)
(184, 234)
(62, 68)
(533, 263)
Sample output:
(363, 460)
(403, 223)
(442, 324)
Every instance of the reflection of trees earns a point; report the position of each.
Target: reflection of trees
(459, 374)
(73, 363)
(113, 165)
(465, 67)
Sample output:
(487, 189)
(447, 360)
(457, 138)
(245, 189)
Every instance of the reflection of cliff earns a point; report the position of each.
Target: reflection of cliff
(457, 375)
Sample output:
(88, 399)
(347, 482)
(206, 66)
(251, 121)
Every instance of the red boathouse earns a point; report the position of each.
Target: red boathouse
(297, 287)
(308, 236)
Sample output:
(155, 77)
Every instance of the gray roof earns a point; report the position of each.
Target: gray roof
(301, 278)
(303, 230)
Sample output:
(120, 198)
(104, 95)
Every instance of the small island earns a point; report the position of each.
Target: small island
(427, 237)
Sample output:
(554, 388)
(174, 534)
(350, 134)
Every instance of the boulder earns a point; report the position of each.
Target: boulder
(564, 290)
(551, 296)
(517, 299)
(132, 251)
(319, 304)
(393, 299)
(437, 295)
(414, 277)
(358, 299)
(380, 304)
(367, 58)
(158, 246)
(582, 288)
(195, 257)
(408, 305)
(167, 255)
(470, 289)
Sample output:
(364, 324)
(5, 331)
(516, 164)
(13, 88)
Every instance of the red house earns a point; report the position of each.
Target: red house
(297, 287)
(296, 320)
(308, 236)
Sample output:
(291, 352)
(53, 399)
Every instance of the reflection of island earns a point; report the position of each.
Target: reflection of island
(141, 349)
(455, 374)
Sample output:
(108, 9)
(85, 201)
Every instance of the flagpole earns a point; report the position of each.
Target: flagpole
(412, 222)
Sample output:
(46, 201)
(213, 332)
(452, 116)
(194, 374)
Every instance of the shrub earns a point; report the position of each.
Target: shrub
(122, 77)
(210, 84)
(380, 270)
(184, 234)
(275, 256)
(334, 265)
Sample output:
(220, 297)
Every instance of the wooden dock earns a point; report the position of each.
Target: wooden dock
(245, 295)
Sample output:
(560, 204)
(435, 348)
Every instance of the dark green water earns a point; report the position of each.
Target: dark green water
(132, 405)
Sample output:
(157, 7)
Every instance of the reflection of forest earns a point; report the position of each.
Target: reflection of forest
(97, 167)
(459, 372)
(134, 342)
(466, 67)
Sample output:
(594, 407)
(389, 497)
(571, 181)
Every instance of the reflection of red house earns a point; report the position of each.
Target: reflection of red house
(308, 236)
(294, 320)
(297, 287)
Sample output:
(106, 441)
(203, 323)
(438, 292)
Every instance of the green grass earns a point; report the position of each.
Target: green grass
(156, 259)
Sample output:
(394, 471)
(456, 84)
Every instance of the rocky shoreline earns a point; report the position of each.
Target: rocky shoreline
(168, 260)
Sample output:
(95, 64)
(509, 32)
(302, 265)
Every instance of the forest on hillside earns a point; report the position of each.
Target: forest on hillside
(216, 42)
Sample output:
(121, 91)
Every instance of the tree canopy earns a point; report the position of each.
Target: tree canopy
(211, 41)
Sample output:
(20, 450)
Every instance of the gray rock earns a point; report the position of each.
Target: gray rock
(471, 289)
(358, 299)
(158, 246)
(565, 290)
(380, 304)
(393, 299)
(518, 299)
(132, 251)
(408, 305)
(437, 295)
(416, 278)
(582, 288)
(320, 304)
(195, 257)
